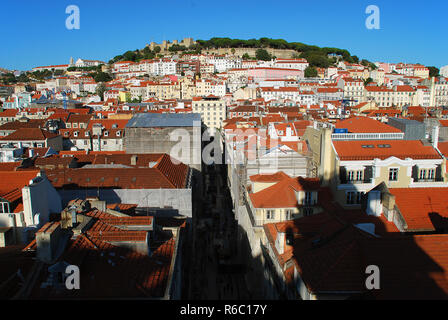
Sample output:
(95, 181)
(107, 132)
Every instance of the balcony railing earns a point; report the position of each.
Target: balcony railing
(368, 136)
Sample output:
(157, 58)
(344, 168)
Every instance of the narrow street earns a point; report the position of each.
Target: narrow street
(215, 273)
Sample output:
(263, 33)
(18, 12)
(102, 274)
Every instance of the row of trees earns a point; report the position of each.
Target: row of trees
(137, 55)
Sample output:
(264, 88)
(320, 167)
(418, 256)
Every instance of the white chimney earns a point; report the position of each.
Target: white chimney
(435, 137)
(374, 207)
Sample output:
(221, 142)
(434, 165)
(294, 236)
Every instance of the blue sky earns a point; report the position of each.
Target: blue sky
(34, 32)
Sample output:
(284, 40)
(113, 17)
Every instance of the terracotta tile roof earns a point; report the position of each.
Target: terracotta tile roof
(443, 123)
(15, 125)
(165, 176)
(119, 221)
(275, 177)
(283, 193)
(12, 180)
(140, 275)
(423, 209)
(8, 113)
(365, 125)
(79, 118)
(443, 148)
(123, 208)
(53, 160)
(29, 134)
(9, 166)
(331, 256)
(354, 150)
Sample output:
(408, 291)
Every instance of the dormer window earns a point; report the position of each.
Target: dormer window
(106, 133)
(118, 133)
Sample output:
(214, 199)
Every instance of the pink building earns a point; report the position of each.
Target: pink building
(260, 74)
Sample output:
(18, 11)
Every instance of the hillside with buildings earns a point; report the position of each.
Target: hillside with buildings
(224, 169)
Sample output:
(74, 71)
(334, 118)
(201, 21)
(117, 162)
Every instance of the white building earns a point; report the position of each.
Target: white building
(444, 71)
(83, 63)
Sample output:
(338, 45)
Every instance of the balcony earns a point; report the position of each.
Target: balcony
(368, 136)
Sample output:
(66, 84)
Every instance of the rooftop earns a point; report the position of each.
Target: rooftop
(383, 149)
(151, 120)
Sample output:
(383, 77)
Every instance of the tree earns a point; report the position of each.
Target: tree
(367, 81)
(433, 71)
(233, 50)
(100, 89)
(262, 54)
(9, 78)
(130, 56)
(101, 77)
(23, 78)
(310, 72)
(246, 56)
(157, 49)
(316, 59)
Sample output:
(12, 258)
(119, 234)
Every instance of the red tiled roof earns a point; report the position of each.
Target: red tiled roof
(422, 208)
(354, 150)
(331, 256)
(283, 193)
(9, 166)
(164, 175)
(275, 177)
(11, 180)
(365, 125)
(29, 134)
(15, 125)
(8, 113)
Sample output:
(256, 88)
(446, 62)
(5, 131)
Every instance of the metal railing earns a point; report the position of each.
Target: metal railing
(368, 136)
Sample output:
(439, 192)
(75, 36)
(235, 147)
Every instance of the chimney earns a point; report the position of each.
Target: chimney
(134, 160)
(280, 242)
(435, 137)
(47, 240)
(374, 206)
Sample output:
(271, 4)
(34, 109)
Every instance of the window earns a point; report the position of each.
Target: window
(307, 211)
(426, 174)
(393, 174)
(308, 198)
(288, 214)
(354, 175)
(422, 174)
(431, 174)
(353, 197)
(269, 214)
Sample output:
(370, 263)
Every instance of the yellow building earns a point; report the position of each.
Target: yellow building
(212, 109)
(124, 96)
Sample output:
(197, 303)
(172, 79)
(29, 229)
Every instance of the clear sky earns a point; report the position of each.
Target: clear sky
(34, 32)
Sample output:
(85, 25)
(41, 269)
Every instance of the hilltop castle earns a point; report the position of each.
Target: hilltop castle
(165, 45)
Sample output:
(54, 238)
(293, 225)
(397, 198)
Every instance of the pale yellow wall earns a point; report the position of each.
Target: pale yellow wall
(258, 186)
